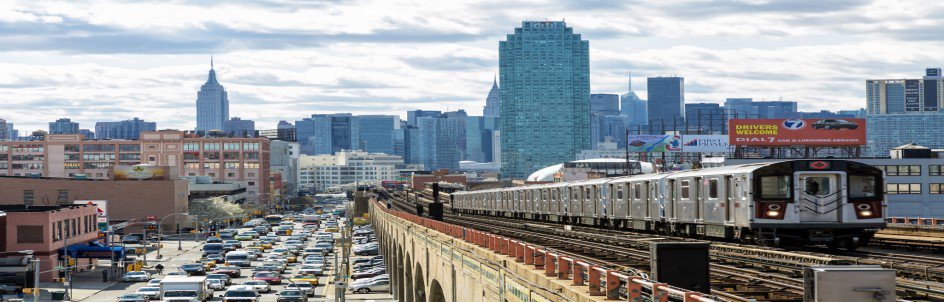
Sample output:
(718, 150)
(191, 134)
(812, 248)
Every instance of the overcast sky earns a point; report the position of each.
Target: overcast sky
(114, 60)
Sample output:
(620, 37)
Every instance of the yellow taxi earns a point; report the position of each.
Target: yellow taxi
(291, 258)
(266, 245)
(311, 279)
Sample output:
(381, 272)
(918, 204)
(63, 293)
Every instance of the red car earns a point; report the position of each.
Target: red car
(267, 276)
(231, 271)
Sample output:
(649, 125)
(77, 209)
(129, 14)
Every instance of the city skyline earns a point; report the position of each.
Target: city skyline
(67, 61)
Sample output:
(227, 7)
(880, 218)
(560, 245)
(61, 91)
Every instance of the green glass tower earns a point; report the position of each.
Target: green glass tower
(545, 97)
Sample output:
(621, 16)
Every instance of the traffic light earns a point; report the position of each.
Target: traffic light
(70, 261)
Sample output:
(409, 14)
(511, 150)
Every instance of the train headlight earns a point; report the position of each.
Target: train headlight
(865, 213)
(773, 213)
(773, 210)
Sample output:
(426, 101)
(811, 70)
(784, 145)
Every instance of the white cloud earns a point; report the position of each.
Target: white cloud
(111, 60)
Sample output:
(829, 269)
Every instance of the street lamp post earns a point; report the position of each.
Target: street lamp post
(160, 234)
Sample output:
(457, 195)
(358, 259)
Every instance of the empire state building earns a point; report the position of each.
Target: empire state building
(212, 104)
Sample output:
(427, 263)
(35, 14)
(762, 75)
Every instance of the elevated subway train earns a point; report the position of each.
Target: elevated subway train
(837, 202)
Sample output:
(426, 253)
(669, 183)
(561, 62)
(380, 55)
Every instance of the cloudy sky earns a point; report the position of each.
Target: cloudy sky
(286, 59)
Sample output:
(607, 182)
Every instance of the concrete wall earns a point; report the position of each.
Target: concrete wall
(428, 266)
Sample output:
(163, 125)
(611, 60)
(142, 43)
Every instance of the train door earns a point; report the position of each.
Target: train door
(730, 197)
(820, 196)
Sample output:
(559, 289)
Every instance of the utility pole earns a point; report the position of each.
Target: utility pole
(35, 279)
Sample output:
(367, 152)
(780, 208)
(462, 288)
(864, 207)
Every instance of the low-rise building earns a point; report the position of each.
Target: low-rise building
(45, 230)
(322, 172)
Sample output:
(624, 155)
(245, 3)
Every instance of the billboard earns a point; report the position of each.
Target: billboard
(654, 143)
(912, 92)
(797, 132)
(705, 143)
(139, 172)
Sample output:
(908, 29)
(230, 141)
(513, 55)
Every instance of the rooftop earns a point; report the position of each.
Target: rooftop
(24, 208)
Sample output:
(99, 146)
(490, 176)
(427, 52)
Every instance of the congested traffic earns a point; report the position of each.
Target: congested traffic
(275, 258)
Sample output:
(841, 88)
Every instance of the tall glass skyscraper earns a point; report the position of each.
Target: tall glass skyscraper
(63, 126)
(374, 133)
(432, 142)
(127, 129)
(324, 133)
(212, 104)
(545, 97)
(635, 109)
(666, 100)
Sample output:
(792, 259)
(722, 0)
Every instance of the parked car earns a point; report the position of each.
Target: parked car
(368, 273)
(292, 295)
(130, 239)
(133, 298)
(154, 293)
(376, 286)
(136, 277)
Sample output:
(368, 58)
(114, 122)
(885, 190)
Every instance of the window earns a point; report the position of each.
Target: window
(250, 146)
(211, 146)
(251, 155)
(28, 197)
(211, 165)
(29, 234)
(903, 188)
(129, 156)
(685, 189)
(63, 196)
(211, 155)
(637, 191)
(232, 165)
(230, 146)
(231, 174)
(67, 230)
(937, 188)
(72, 165)
(91, 148)
(251, 165)
(713, 188)
(619, 192)
(192, 166)
(775, 187)
(901, 170)
(862, 186)
(129, 148)
(73, 157)
(231, 155)
(191, 155)
(191, 146)
(71, 148)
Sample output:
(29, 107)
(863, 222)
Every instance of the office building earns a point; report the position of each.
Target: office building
(706, 118)
(235, 160)
(666, 100)
(887, 131)
(411, 116)
(432, 143)
(604, 104)
(4, 130)
(830, 114)
(479, 132)
(545, 97)
(212, 104)
(634, 108)
(88, 134)
(127, 129)
(237, 127)
(908, 96)
(776, 109)
(493, 101)
(604, 111)
(740, 107)
(374, 133)
(63, 126)
(460, 116)
(283, 161)
(328, 173)
(324, 133)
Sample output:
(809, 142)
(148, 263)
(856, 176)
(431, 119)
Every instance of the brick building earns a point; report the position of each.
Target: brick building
(232, 160)
(45, 230)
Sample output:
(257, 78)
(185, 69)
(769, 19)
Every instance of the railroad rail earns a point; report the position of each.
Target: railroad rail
(781, 270)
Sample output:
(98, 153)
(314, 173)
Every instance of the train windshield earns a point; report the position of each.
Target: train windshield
(862, 186)
(775, 187)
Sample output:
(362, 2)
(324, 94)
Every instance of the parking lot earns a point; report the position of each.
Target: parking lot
(289, 257)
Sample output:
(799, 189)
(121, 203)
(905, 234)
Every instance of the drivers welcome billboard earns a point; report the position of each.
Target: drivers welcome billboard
(797, 132)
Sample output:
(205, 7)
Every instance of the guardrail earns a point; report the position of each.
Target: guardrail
(600, 280)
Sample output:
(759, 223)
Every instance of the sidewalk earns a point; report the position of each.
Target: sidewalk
(88, 283)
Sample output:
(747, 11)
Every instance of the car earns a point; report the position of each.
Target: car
(311, 269)
(371, 279)
(368, 273)
(154, 282)
(243, 237)
(151, 292)
(216, 284)
(292, 295)
(307, 288)
(136, 277)
(216, 258)
(268, 276)
(133, 298)
(254, 234)
(178, 273)
(367, 266)
(376, 286)
(130, 239)
(828, 124)
(305, 278)
(214, 239)
(193, 269)
(235, 243)
(269, 267)
(367, 251)
(239, 293)
(258, 285)
(221, 277)
(230, 271)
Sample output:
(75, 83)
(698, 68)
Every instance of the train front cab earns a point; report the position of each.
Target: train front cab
(818, 201)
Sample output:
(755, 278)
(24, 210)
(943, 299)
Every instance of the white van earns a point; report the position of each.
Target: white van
(238, 258)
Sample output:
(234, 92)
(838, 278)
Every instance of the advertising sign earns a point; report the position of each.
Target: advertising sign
(912, 92)
(705, 143)
(797, 132)
(139, 172)
(654, 143)
(102, 206)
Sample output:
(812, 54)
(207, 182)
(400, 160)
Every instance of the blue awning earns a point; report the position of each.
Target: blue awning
(94, 249)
